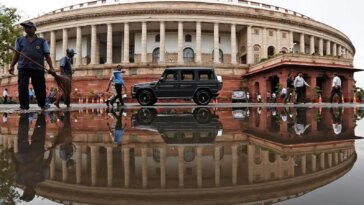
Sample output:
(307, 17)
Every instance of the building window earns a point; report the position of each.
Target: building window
(156, 55)
(157, 38)
(256, 31)
(270, 33)
(188, 38)
(188, 55)
(284, 35)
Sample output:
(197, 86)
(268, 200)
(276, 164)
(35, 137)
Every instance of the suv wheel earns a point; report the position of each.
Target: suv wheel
(202, 97)
(146, 97)
(146, 116)
(202, 115)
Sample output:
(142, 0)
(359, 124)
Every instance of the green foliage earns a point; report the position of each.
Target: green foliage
(358, 92)
(8, 32)
(318, 91)
(8, 193)
(10, 101)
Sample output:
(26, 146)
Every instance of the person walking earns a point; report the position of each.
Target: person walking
(299, 84)
(290, 89)
(66, 71)
(336, 88)
(5, 96)
(118, 82)
(37, 49)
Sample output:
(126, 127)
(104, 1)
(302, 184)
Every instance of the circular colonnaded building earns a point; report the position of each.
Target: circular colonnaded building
(251, 45)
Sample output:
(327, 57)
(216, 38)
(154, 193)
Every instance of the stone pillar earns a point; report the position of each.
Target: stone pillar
(302, 43)
(94, 162)
(52, 166)
(64, 171)
(53, 47)
(312, 44)
(126, 151)
(216, 43)
(310, 93)
(180, 43)
(64, 41)
(233, 44)
(162, 49)
(41, 35)
(249, 48)
(336, 158)
(78, 46)
(162, 152)
(144, 43)
(198, 43)
(181, 167)
(322, 161)
(329, 159)
(328, 48)
(291, 43)
(235, 164)
(109, 159)
(126, 43)
(278, 40)
(109, 44)
(217, 165)
(144, 167)
(321, 47)
(93, 45)
(78, 164)
(313, 162)
(334, 49)
(264, 43)
(199, 166)
(303, 164)
(341, 156)
(339, 51)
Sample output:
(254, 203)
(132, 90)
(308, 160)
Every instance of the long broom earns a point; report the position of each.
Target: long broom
(63, 82)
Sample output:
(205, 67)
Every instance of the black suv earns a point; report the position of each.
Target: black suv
(197, 127)
(199, 83)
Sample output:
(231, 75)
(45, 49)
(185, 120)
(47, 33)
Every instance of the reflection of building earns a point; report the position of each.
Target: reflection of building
(237, 168)
(233, 36)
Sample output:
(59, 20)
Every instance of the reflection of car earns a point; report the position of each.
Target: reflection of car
(239, 96)
(200, 84)
(199, 126)
(240, 112)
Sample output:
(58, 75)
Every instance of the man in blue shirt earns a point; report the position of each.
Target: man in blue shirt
(37, 49)
(118, 81)
(66, 70)
(118, 129)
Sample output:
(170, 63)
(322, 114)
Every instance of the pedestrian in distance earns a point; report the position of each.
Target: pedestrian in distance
(5, 96)
(66, 71)
(299, 84)
(118, 82)
(290, 89)
(37, 49)
(336, 88)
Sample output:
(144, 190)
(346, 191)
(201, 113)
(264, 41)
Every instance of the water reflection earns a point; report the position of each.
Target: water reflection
(194, 155)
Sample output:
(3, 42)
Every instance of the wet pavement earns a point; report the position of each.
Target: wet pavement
(183, 154)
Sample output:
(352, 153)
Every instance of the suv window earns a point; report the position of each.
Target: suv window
(187, 75)
(171, 75)
(205, 75)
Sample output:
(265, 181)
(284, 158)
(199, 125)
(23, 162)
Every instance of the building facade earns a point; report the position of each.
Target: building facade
(237, 38)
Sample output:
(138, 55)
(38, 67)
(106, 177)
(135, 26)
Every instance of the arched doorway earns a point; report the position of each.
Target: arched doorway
(155, 55)
(188, 55)
(270, 51)
(284, 50)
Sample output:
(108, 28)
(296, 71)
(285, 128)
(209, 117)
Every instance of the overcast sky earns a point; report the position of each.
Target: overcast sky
(343, 15)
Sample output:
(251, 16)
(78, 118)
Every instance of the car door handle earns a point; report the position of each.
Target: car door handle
(186, 85)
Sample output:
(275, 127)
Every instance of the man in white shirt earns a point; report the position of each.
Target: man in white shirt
(336, 88)
(299, 83)
(5, 95)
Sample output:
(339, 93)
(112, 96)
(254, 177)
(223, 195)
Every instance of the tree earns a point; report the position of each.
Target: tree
(9, 31)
